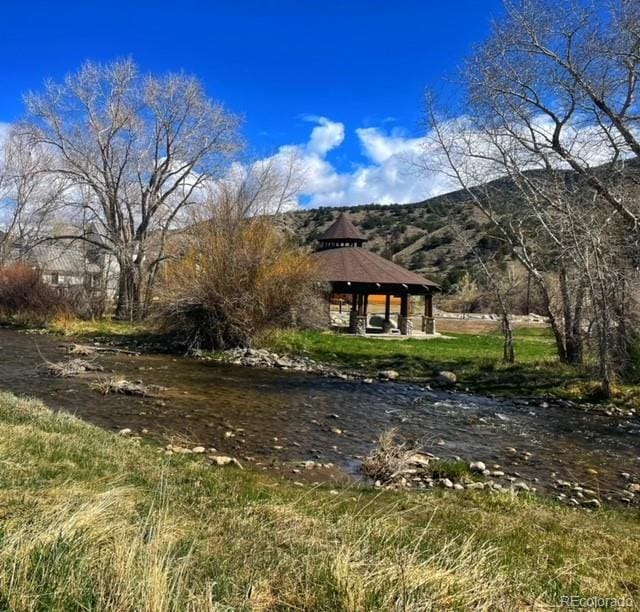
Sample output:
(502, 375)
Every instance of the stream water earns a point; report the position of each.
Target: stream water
(277, 416)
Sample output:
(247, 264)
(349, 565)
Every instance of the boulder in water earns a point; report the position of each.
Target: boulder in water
(447, 378)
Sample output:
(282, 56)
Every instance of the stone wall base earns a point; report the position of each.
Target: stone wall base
(405, 325)
(428, 325)
(357, 324)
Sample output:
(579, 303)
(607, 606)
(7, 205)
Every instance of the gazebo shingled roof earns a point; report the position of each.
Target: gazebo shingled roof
(358, 265)
(342, 229)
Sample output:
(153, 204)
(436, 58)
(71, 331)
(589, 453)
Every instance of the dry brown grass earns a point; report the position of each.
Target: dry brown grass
(391, 457)
(81, 350)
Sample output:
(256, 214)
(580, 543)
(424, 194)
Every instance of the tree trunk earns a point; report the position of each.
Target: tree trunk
(572, 314)
(129, 302)
(508, 352)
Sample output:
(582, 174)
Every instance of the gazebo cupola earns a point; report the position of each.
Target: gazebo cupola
(341, 233)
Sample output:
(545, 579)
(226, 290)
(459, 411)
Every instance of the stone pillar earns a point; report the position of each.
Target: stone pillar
(428, 325)
(428, 321)
(357, 324)
(405, 325)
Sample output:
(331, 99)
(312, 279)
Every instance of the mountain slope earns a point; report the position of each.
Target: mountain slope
(431, 237)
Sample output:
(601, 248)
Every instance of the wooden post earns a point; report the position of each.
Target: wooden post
(354, 302)
(404, 305)
(387, 308)
(428, 322)
(428, 306)
(365, 304)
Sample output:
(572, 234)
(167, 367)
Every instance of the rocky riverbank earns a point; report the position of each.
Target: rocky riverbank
(280, 411)
(394, 464)
(263, 358)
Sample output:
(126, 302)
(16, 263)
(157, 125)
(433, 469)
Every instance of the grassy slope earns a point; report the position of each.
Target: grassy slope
(89, 520)
(475, 358)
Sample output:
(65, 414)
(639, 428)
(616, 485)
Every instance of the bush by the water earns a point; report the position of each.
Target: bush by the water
(25, 298)
(237, 278)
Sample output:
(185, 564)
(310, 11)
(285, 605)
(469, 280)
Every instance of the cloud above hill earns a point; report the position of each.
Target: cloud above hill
(390, 171)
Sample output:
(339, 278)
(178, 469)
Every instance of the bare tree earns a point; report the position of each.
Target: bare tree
(488, 168)
(561, 80)
(30, 195)
(552, 122)
(138, 149)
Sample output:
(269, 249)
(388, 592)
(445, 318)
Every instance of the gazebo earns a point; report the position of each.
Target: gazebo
(352, 270)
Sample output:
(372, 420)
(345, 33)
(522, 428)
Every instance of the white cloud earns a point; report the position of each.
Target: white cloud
(388, 174)
(398, 168)
(325, 136)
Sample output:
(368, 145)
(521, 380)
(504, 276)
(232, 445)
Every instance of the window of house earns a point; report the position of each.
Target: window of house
(55, 278)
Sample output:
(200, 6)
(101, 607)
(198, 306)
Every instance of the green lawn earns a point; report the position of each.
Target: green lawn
(93, 521)
(475, 358)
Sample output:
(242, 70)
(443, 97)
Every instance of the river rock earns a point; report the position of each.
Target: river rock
(446, 483)
(590, 503)
(447, 378)
(420, 460)
(458, 487)
(477, 466)
(633, 487)
(475, 485)
(223, 460)
(388, 375)
(124, 432)
(521, 486)
(198, 449)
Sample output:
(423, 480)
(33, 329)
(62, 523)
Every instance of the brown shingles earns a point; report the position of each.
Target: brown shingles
(357, 265)
(342, 229)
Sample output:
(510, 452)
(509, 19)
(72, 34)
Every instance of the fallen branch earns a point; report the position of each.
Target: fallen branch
(79, 349)
(74, 367)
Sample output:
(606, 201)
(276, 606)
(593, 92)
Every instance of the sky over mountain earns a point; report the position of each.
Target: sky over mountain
(337, 83)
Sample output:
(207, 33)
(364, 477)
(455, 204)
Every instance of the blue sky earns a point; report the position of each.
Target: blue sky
(283, 64)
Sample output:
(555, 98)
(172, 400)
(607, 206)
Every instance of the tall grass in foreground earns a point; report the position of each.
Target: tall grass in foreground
(91, 521)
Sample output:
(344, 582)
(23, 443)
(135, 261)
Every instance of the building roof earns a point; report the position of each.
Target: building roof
(358, 265)
(342, 229)
(61, 258)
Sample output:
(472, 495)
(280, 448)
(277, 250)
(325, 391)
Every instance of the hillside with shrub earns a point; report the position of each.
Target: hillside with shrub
(433, 237)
